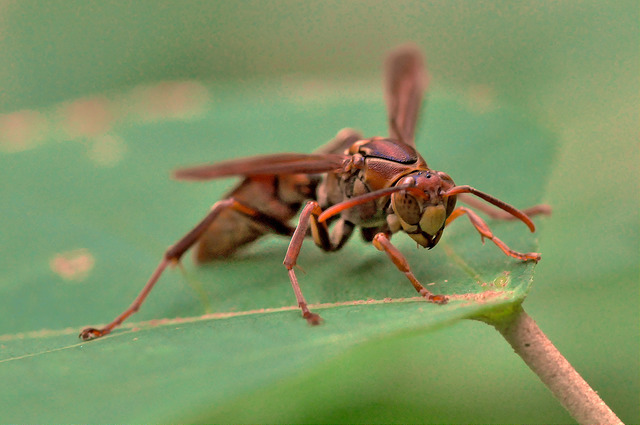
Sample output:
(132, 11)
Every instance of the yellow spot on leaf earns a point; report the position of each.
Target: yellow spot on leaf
(73, 265)
(88, 117)
(22, 130)
(171, 99)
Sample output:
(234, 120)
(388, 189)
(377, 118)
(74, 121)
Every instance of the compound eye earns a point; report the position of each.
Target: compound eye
(407, 208)
(446, 178)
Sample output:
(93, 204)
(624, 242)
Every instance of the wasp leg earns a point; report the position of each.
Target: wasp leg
(382, 243)
(485, 232)
(171, 256)
(320, 233)
(499, 214)
(292, 255)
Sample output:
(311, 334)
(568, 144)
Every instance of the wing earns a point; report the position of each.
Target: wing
(341, 142)
(283, 163)
(406, 80)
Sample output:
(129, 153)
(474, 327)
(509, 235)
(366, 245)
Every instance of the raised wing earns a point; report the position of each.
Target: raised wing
(283, 163)
(341, 142)
(406, 80)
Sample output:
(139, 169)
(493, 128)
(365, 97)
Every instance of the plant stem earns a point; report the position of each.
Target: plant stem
(544, 359)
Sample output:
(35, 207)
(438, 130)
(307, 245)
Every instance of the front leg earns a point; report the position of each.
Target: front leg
(381, 242)
(485, 232)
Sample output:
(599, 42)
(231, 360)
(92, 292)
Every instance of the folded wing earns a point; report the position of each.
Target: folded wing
(275, 164)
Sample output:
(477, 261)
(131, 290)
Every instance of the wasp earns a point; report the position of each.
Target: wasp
(380, 185)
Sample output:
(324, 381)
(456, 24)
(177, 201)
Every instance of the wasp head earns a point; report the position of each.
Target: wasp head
(422, 213)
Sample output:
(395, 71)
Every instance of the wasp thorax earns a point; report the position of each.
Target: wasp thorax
(422, 216)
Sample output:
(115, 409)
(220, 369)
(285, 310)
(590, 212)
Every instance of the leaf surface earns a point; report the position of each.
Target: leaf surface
(89, 216)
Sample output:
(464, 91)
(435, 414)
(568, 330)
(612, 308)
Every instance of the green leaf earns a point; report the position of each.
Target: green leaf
(95, 209)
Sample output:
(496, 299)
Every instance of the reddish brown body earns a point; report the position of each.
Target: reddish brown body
(233, 229)
(381, 185)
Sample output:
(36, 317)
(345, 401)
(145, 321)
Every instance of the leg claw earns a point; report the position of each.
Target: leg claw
(438, 299)
(88, 334)
(312, 318)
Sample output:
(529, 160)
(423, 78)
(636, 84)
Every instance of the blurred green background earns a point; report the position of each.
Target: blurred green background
(572, 67)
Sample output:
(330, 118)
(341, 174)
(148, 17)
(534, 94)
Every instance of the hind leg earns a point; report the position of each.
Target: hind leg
(172, 256)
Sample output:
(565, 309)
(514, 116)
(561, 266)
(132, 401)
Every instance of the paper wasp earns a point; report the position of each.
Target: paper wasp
(381, 185)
